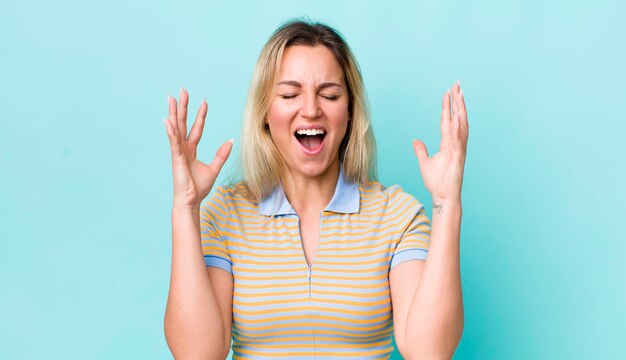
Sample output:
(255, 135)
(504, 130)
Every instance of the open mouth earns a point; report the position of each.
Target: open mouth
(311, 139)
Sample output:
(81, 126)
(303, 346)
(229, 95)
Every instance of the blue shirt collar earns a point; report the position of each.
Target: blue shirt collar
(345, 200)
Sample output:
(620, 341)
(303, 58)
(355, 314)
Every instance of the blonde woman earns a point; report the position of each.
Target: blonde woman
(304, 258)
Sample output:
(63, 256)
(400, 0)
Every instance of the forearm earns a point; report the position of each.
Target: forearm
(193, 323)
(435, 318)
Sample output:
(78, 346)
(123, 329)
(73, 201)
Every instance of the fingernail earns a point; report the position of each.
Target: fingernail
(461, 91)
(231, 140)
(448, 91)
(203, 100)
(168, 97)
(181, 89)
(458, 81)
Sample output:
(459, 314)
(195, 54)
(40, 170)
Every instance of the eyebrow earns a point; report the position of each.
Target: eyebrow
(320, 87)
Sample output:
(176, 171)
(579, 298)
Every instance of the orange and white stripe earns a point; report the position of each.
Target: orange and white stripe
(340, 306)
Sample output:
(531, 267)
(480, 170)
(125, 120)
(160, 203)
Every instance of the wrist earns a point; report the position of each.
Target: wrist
(446, 205)
(185, 208)
(447, 200)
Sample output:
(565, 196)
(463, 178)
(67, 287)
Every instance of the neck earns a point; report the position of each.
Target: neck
(311, 195)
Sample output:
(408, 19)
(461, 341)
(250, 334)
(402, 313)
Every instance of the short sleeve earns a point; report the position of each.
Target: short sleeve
(214, 248)
(415, 231)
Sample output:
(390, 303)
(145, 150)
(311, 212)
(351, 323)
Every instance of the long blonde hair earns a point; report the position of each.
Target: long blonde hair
(260, 159)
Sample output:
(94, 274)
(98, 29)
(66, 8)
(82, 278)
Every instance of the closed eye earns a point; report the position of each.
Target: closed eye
(327, 97)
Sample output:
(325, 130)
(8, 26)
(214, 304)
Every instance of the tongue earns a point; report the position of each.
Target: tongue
(311, 142)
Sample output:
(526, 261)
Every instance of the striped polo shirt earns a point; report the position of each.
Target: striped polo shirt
(340, 306)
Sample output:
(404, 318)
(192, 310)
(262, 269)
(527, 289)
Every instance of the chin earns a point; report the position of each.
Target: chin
(313, 168)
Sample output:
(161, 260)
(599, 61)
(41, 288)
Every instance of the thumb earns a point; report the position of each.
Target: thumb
(220, 157)
(420, 150)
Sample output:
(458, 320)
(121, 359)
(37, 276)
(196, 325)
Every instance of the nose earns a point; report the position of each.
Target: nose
(310, 108)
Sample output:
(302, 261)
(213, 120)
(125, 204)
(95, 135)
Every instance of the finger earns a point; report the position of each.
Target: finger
(175, 145)
(182, 112)
(196, 130)
(173, 117)
(456, 132)
(460, 104)
(220, 157)
(454, 93)
(420, 151)
(463, 112)
(445, 120)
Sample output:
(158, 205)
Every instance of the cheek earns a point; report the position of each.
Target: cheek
(278, 115)
(279, 119)
(339, 115)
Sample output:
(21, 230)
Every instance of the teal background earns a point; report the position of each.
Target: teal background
(85, 177)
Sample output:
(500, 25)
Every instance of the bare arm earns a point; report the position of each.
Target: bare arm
(198, 315)
(429, 311)
(427, 296)
(199, 306)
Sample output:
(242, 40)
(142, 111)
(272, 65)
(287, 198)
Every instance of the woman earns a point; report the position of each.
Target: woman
(304, 258)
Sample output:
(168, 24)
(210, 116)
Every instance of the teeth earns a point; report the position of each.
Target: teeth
(310, 132)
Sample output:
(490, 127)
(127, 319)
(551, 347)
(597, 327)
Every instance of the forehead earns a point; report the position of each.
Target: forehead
(309, 63)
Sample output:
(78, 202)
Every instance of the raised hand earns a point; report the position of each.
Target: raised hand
(193, 179)
(443, 172)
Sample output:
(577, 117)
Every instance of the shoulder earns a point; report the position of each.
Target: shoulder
(226, 199)
(394, 197)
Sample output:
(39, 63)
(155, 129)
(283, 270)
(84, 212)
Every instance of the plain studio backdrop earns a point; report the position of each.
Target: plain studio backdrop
(86, 183)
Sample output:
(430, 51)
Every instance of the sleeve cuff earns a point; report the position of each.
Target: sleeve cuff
(406, 255)
(211, 260)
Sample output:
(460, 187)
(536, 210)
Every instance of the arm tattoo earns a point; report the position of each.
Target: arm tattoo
(437, 207)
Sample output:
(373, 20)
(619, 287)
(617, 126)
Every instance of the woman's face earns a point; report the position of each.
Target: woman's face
(308, 114)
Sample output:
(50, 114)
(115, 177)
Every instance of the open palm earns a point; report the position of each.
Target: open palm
(443, 172)
(193, 179)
